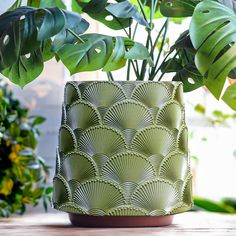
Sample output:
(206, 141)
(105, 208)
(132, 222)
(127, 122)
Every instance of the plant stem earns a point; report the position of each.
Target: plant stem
(161, 49)
(135, 31)
(158, 37)
(76, 35)
(136, 71)
(142, 9)
(129, 61)
(128, 70)
(110, 76)
(126, 32)
(159, 68)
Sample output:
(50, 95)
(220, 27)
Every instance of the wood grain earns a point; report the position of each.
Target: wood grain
(190, 224)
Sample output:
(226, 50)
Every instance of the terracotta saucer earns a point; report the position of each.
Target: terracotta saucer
(120, 221)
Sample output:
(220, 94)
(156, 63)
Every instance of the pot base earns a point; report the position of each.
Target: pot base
(119, 221)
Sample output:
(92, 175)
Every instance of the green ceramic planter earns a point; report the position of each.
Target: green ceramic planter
(122, 158)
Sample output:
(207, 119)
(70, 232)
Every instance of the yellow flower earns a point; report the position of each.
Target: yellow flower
(26, 200)
(14, 157)
(6, 186)
(16, 148)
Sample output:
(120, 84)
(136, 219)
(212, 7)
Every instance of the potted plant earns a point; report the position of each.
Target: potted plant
(122, 157)
(23, 174)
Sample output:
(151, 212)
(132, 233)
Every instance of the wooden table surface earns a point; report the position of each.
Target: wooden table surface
(190, 224)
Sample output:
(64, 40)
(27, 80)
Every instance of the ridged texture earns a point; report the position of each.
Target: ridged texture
(154, 140)
(103, 95)
(119, 168)
(89, 118)
(67, 140)
(155, 195)
(182, 139)
(174, 167)
(127, 211)
(78, 166)
(171, 115)
(128, 114)
(72, 93)
(98, 194)
(61, 193)
(152, 94)
(101, 140)
(123, 150)
(178, 93)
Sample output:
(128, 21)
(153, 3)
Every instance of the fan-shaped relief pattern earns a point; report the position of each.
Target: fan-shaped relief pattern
(128, 189)
(158, 212)
(154, 140)
(104, 94)
(128, 87)
(67, 140)
(61, 192)
(182, 139)
(82, 115)
(152, 94)
(178, 93)
(127, 211)
(63, 115)
(101, 140)
(71, 207)
(82, 86)
(171, 115)
(187, 190)
(155, 195)
(71, 93)
(73, 184)
(99, 195)
(179, 208)
(128, 167)
(78, 166)
(174, 167)
(128, 114)
(58, 162)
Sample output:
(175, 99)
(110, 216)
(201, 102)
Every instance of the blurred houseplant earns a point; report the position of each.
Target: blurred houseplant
(23, 173)
(214, 119)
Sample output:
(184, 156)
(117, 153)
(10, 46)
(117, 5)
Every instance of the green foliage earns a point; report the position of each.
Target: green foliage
(22, 35)
(209, 205)
(216, 117)
(178, 8)
(99, 51)
(229, 96)
(202, 56)
(23, 173)
(96, 9)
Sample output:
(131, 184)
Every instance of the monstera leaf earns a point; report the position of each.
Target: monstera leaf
(213, 34)
(178, 8)
(22, 35)
(183, 64)
(97, 10)
(126, 10)
(46, 3)
(96, 51)
(230, 96)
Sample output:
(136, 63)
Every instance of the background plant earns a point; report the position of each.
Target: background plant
(214, 119)
(202, 56)
(23, 174)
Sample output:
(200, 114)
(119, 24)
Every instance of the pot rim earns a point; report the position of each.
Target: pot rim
(125, 81)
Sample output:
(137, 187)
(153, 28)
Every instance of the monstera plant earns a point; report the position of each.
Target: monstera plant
(202, 56)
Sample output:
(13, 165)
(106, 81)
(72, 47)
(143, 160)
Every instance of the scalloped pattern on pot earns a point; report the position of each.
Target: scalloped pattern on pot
(123, 150)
